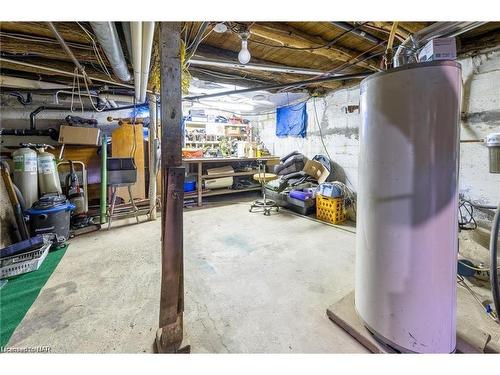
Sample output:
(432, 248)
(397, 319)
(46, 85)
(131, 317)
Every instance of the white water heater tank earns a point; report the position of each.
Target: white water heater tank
(406, 248)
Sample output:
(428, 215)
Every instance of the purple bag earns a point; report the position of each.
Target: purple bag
(301, 195)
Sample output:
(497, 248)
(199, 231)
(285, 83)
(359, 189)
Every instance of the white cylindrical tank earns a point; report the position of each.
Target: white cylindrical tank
(25, 174)
(48, 178)
(406, 248)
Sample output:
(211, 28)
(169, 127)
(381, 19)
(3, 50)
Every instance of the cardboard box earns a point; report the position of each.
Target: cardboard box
(439, 49)
(317, 170)
(74, 135)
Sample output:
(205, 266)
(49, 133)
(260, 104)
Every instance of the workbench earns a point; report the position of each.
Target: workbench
(200, 162)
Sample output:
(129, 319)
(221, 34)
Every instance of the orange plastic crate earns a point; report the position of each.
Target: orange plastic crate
(331, 210)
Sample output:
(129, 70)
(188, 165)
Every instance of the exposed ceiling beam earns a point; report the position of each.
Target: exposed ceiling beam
(470, 46)
(68, 31)
(292, 37)
(215, 53)
(386, 26)
(34, 64)
(4, 61)
(234, 80)
(251, 66)
(360, 33)
(413, 27)
(51, 51)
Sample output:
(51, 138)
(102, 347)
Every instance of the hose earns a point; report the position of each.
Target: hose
(20, 197)
(495, 289)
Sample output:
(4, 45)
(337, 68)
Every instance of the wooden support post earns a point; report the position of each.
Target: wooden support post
(170, 334)
(152, 156)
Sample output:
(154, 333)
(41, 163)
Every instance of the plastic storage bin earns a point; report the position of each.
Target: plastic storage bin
(189, 186)
(23, 263)
(303, 207)
(331, 210)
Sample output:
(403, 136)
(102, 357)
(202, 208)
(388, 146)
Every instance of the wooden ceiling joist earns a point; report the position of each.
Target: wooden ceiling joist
(51, 51)
(70, 31)
(271, 43)
(292, 37)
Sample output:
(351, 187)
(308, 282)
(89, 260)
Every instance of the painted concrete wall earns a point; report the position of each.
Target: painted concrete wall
(340, 129)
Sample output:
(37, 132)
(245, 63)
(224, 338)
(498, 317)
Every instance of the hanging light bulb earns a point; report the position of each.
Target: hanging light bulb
(244, 55)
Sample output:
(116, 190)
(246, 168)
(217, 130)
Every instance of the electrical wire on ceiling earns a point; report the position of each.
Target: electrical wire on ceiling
(96, 51)
(42, 40)
(227, 76)
(190, 46)
(342, 67)
(326, 45)
(368, 26)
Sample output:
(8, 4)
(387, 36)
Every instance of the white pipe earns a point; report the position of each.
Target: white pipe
(112, 103)
(148, 31)
(261, 67)
(63, 72)
(117, 98)
(136, 33)
(15, 82)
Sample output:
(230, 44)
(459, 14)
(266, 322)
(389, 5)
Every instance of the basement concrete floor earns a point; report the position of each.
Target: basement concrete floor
(253, 284)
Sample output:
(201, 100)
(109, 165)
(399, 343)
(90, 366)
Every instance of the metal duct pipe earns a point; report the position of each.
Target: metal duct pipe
(108, 38)
(407, 51)
(362, 34)
(136, 34)
(148, 31)
(128, 37)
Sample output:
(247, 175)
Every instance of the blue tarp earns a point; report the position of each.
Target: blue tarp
(291, 120)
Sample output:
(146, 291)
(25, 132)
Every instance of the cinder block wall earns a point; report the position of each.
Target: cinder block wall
(340, 129)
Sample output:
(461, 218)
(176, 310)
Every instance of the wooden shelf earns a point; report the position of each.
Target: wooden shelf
(203, 142)
(217, 175)
(203, 124)
(209, 193)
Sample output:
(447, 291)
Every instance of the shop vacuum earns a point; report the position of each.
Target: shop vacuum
(50, 217)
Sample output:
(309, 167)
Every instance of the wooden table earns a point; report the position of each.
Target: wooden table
(199, 193)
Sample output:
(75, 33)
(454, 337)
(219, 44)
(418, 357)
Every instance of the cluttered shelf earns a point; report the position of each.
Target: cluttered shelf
(244, 173)
(228, 159)
(201, 124)
(208, 193)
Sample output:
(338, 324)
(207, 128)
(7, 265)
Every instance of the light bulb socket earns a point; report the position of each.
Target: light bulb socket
(244, 36)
